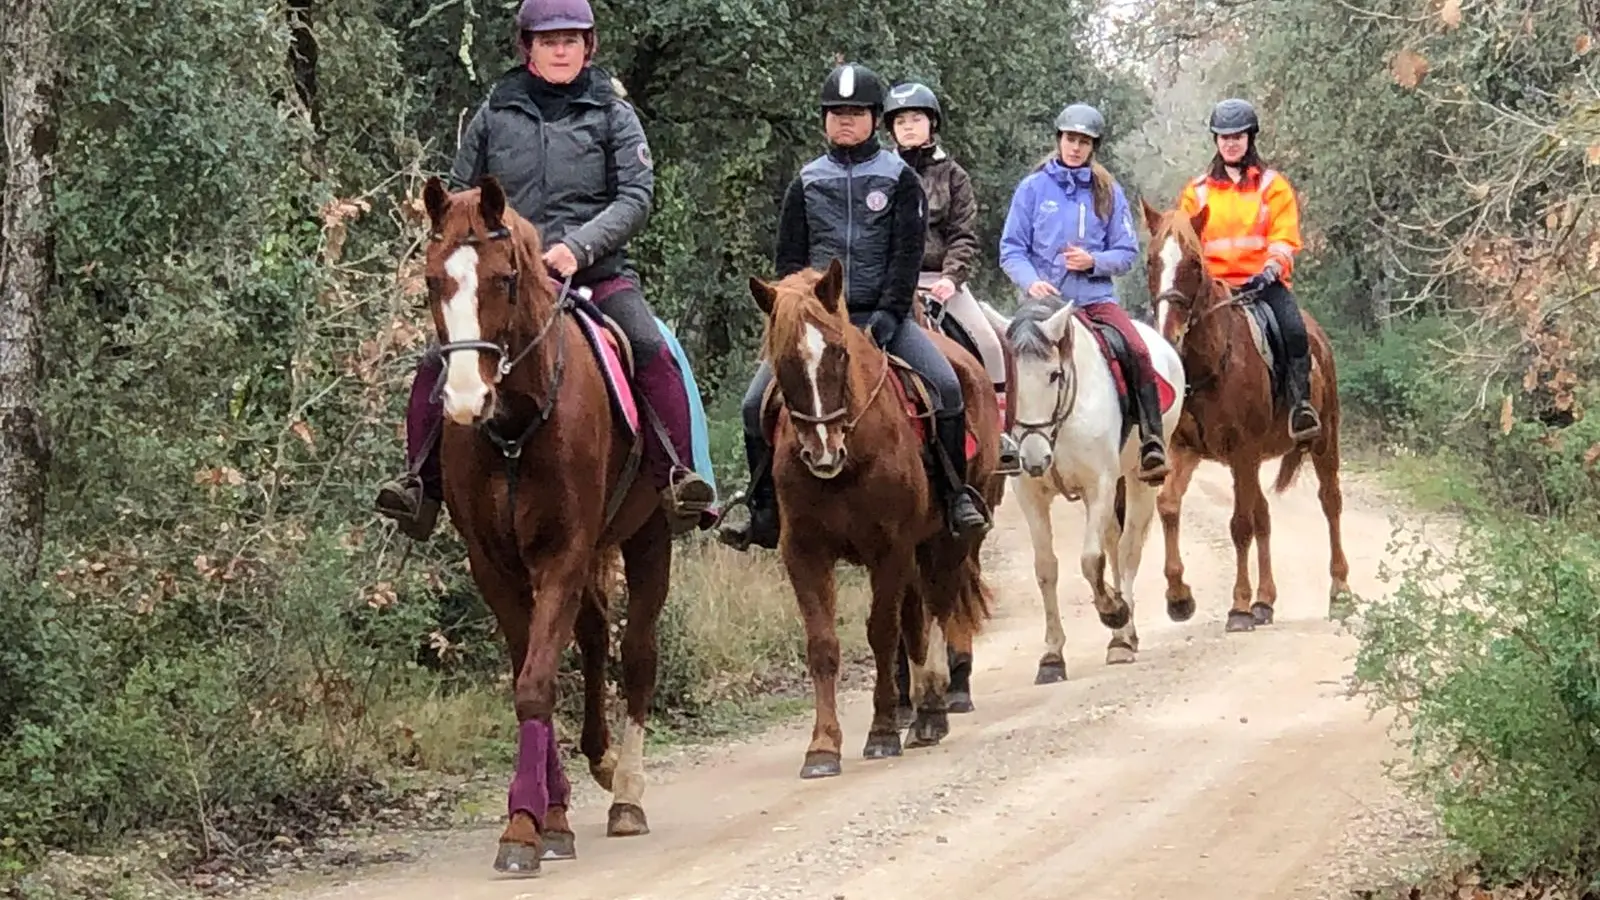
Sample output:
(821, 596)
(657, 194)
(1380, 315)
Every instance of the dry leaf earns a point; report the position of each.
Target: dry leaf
(1409, 68)
(1506, 421)
(1450, 13)
(303, 432)
(1583, 44)
(1591, 455)
(1593, 154)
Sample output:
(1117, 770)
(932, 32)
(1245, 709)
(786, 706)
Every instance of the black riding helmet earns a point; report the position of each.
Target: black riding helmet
(1234, 115)
(913, 95)
(853, 84)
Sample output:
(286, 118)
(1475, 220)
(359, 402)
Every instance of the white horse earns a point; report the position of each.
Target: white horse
(1069, 428)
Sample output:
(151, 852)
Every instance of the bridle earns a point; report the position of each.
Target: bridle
(1066, 401)
(828, 418)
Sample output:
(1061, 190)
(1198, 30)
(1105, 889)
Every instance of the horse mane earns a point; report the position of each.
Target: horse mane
(797, 303)
(1026, 333)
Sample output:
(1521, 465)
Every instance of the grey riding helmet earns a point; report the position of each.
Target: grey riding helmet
(913, 95)
(1081, 118)
(1234, 115)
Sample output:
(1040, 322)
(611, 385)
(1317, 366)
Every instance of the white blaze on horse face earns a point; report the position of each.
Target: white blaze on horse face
(464, 389)
(812, 345)
(1171, 256)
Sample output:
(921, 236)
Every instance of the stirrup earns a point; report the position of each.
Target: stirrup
(688, 492)
(1010, 462)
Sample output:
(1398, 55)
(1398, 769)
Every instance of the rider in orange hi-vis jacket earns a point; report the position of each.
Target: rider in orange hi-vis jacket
(1251, 236)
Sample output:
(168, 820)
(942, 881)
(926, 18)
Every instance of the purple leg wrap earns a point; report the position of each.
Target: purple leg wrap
(424, 416)
(556, 774)
(530, 786)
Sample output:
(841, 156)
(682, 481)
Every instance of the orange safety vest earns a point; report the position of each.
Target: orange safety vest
(1248, 223)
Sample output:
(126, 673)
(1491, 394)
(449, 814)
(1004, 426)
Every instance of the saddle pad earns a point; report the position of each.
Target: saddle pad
(603, 344)
(1165, 393)
(699, 427)
(915, 402)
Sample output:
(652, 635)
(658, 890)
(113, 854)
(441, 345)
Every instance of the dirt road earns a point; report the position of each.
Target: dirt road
(1215, 767)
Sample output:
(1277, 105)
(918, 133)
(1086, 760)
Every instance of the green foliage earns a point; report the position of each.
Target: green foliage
(1491, 656)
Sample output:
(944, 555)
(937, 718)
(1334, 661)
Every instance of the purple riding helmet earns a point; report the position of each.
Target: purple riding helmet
(555, 15)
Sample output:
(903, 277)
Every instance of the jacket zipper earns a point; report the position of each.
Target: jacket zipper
(849, 221)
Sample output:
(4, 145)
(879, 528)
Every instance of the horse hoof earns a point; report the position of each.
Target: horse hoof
(882, 746)
(1239, 620)
(1120, 653)
(820, 764)
(929, 729)
(1052, 669)
(560, 845)
(904, 716)
(958, 702)
(603, 770)
(626, 820)
(1118, 617)
(1180, 610)
(518, 859)
(1262, 613)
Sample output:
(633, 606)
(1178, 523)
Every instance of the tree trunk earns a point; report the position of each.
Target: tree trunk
(29, 80)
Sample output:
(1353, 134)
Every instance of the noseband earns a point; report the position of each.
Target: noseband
(828, 418)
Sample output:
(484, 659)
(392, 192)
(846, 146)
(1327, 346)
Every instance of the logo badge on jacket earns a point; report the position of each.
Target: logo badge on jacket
(1049, 206)
(644, 155)
(877, 200)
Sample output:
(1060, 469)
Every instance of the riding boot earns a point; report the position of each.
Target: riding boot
(1304, 425)
(1152, 446)
(759, 525)
(684, 494)
(966, 519)
(1010, 454)
(413, 498)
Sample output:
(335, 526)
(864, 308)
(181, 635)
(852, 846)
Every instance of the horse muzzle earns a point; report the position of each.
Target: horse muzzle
(472, 406)
(826, 464)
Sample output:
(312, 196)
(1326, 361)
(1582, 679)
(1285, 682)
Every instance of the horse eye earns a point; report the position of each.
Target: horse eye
(1056, 376)
(435, 285)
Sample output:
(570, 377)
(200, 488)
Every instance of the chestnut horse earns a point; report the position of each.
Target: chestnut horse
(533, 508)
(1232, 416)
(852, 485)
(959, 697)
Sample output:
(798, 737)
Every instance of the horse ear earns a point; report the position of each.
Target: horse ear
(492, 203)
(1058, 328)
(436, 200)
(1198, 220)
(764, 295)
(1152, 216)
(997, 319)
(830, 288)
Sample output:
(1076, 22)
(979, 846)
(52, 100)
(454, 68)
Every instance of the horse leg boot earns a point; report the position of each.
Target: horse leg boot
(412, 500)
(684, 494)
(760, 527)
(965, 518)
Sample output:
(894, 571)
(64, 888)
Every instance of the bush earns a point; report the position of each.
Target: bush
(1491, 656)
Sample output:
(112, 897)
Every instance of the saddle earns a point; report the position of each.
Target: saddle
(1268, 337)
(1121, 361)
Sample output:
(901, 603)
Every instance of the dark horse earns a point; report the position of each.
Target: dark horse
(543, 513)
(1234, 416)
(852, 485)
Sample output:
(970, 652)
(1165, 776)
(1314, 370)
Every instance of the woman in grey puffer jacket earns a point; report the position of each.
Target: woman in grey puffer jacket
(573, 159)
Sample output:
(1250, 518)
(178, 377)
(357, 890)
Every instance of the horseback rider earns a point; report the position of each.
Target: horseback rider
(572, 156)
(1067, 234)
(913, 116)
(1251, 234)
(864, 206)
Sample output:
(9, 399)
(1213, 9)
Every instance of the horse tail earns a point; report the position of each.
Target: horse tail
(974, 601)
(1289, 468)
(605, 580)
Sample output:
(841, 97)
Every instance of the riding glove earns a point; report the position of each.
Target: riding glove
(882, 327)
(1267, 276)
